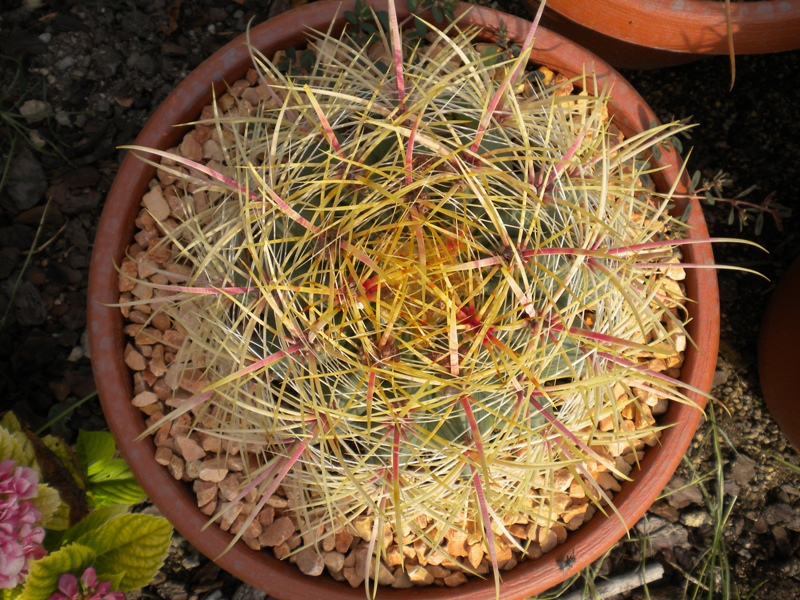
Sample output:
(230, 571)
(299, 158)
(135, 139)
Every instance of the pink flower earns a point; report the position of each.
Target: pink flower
(85, 589)
(20, 538)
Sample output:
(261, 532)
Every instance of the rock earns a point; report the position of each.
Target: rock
(35, 110)
(662, 535)
(743, 469)
(189, 448)
(213, 469)
(143, 399)
(401, 579)
(696, 518)
(154, 202)
(26, 182)
(665, 511)
(333, 560)
(784, 545)
(455, 579)
(679, 495)
(309, 561)
(248, 592)
(29, 307)
(353, 577)
(419, 575)
(277, 533)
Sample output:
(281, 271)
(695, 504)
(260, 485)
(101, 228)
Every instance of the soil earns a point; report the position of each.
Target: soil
(88, 74)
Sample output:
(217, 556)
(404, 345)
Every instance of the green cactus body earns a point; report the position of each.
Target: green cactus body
(399, 325)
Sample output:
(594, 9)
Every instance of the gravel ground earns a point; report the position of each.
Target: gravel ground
(88, 74)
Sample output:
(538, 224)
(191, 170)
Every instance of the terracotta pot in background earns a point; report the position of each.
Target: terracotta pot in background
(778, 355)
(114, 382)
(647, 34)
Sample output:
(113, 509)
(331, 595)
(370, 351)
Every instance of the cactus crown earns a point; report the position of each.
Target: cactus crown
(422, 284)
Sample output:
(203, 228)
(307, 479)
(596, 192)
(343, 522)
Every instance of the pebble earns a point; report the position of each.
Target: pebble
(35, 110)
(696, 518)
(155, 203)
(309, 561)
(26, 181)
(277, 533)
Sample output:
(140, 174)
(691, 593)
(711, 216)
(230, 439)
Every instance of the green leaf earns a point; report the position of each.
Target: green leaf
(92, 522)
(10, 448)
(420, 27)
(759, 224)
(746, 192)
(731, 217)
(351, 17)
(687, 212)
(438, 15)
(10, 594)
(115, 579)
(656, 152)
(43, 576)
(135, 545)
(110, 479)
(412, 5)
(120, 491)
(710, 199)
(47, 501)
(695, 181)
(383, 19)
(10, 422)
(94, 450)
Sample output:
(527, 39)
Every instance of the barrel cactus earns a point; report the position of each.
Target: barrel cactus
(429, 280)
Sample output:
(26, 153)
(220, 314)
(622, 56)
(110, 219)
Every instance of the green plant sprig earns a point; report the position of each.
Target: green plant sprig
(410, 302)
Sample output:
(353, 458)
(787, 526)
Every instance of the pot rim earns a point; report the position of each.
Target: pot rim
(174, 499)
(689, 26)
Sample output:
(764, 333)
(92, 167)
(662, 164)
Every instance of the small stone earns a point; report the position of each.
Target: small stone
(333, 560)
(343, 541)
(696, 518)
(401, 579)
(353, 577)
(175, 467)
(229, 487)
(190, 148)
(248, 592)
(681, 496)
(743, 469)
(163, 455)
(309, 561)
(419, 575)
(189, 448)
(134, 359)
(205, 491)
(455, 579)
(363, 527)
(143, 399)
(155, 203)
(277, 533)
(662, 535)
(213, 469)
(547, 539)
(475, 555)
(35, 110)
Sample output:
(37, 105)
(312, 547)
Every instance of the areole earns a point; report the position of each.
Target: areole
(175, 500)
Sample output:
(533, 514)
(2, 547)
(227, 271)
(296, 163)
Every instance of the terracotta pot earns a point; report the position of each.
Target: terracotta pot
(114, 383)
(646, 34)
(778, 358)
